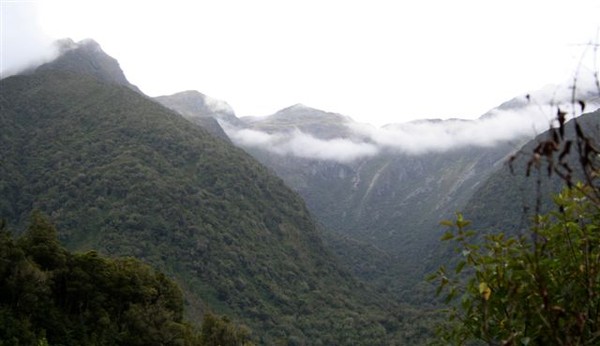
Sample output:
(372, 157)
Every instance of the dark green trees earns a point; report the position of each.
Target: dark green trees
(50, 295)
(40, 243)
(220, 331)
(541, 285)
(542, 288)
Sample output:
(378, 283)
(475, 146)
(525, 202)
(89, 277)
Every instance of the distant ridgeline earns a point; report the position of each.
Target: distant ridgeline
(120, 174)
(381, 192)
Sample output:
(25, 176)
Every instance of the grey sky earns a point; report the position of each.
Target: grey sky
(377, 61)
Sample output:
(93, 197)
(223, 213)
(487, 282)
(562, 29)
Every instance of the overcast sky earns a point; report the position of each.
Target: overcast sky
(375, 61)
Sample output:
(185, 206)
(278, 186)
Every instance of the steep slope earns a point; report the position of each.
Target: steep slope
(390, 199)
(390, 187)
(87, 57)
(507, 201)
(201, 109)
(122, 174)
(393, 202)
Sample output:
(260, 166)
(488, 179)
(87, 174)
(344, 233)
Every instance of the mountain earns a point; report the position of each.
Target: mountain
(87, 57)
(389, 188)
(201, 109)
(508, 200)
(122, 174)
(387, 199)
(321, 124)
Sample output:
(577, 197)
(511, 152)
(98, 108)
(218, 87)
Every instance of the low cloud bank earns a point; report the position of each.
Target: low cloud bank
(516, 124)
(300, 144)
(422, 137)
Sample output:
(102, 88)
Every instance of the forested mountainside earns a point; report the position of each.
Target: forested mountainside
(389, 199)
(123, 175)
(510, 198)
(393, 202)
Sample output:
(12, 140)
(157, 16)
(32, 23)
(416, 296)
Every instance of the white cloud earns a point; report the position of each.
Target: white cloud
(520, 120)
(299, 144)
(437, 136)
(22, 43)
(218, 106)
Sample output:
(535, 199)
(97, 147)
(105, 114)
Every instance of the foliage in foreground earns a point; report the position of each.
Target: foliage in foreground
(542, 288)
(51, 296)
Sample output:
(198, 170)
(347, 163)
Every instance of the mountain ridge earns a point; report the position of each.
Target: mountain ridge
(87, 57)
(121, 173)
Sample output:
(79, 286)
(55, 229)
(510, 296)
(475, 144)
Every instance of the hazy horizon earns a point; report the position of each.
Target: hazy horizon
(378, 62)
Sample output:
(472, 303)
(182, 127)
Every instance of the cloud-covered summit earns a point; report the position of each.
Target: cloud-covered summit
(310, 133)
(87, 57)
(193, 104)
(318, 123)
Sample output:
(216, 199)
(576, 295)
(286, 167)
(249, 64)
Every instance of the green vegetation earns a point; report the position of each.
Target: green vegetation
(539, 289)
(516, 196)
(51, 296)
(121, 174)
(538, 286)
(392, 202)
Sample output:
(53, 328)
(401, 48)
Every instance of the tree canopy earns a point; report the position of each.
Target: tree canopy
(49, 295)
(536, 286)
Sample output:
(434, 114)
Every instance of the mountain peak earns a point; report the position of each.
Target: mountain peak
(316, 122)
(300, 108)
(201, 109)
(87, 57)
(301, 112)
(66, 44)
(194, 104)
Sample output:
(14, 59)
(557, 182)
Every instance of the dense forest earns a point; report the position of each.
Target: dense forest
(168, 234)
(122, 175)
(50, 296)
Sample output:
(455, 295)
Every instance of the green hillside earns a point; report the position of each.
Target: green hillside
(392, 201)
(508, 200)
(120, 173)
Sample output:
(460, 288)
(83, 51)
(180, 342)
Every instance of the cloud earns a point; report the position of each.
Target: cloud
(437, 136)
(514, 122)
(500, 125)
(299, 144)
(23, 43)
(218, 106)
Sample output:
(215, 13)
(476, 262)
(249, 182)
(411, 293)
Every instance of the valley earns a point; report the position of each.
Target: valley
(305, 226)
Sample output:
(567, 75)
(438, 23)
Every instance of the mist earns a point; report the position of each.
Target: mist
(421, 137)
(299, 144)
(513, 122)
(24, 46)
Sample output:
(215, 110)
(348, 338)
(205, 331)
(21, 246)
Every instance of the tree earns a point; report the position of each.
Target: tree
(541, 287)
(219, 331)
(49, 295)
(40, 242)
